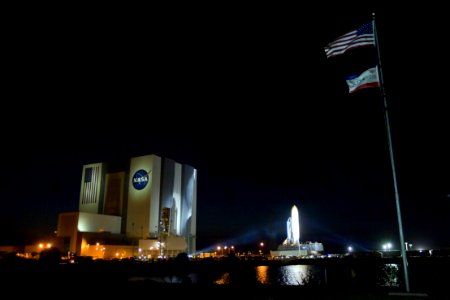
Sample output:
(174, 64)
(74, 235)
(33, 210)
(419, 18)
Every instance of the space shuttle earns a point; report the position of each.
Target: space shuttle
(293, 228)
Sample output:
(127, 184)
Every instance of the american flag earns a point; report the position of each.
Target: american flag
(363, 36)
(91, 184)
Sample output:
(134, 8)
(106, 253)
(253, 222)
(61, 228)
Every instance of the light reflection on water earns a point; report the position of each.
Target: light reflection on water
(294, 275)
(225, 279)
(285, 275)
(262, 275)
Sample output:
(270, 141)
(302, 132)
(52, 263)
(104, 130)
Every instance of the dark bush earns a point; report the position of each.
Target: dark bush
(51, 256)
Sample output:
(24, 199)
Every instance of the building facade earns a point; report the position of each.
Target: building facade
(148, 200)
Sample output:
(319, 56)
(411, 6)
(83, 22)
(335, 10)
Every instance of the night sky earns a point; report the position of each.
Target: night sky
(248, 97)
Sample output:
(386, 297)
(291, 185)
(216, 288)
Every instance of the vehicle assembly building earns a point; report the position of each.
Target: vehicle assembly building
(146, 206)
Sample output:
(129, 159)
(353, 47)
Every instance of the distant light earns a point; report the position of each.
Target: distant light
(350, 248)
(139, 250)
(387, 246)
(41, 246)
(261, 244)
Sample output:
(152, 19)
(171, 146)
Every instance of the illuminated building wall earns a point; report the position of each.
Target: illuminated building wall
(189, 206)
(88, 222)
(143, 196)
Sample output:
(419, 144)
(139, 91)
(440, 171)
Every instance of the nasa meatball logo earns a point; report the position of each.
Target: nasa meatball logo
(140, 179)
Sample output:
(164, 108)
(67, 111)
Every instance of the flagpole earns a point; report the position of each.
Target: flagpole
(391, 154)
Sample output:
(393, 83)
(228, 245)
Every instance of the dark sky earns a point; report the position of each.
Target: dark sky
(247, 97)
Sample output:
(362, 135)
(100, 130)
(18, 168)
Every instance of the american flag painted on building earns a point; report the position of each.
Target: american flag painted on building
(91, 184)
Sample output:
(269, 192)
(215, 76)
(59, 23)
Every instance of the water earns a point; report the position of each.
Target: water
(302, 275)
(294, 275)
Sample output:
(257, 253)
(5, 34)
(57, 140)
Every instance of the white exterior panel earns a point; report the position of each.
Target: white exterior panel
(88, 222)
